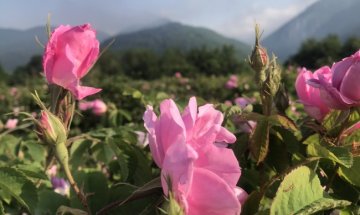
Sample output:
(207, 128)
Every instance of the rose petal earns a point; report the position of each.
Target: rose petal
(209, 194)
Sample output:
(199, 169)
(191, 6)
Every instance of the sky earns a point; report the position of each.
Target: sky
(232, 18)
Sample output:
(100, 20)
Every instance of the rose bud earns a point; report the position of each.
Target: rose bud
(50, 129)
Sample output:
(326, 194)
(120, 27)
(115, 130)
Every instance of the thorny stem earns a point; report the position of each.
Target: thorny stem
(59, 98)
(76, 188)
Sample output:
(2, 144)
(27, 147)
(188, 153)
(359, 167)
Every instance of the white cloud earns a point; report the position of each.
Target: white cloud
(269, 18)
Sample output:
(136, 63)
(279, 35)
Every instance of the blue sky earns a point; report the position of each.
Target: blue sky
(233, 18)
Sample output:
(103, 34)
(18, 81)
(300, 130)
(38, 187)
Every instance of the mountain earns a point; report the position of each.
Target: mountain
(17, 46)
(175, 35)
(322, 18)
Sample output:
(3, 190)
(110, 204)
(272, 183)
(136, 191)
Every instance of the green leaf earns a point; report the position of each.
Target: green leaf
(35, 151)
(64, 210)
(299, 189)
(339, 155)
(321, 205)
(5, 196)
(253, 116)
(78, 152)
(121, 159)
(94, 183)
(352, 174)
(259, 142)
(2, 210)
(282, 121)
(49, 202)
(32, 170)
(103, 152)
(133, 200)
(19, 187)
(252, 203)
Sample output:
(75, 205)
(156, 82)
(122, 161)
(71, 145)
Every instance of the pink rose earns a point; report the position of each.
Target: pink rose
(243, 102)
(203, 174)
(343, 91)
(84, 105)
(309, 95)
(69, 55)
(98, 107)
(11, 123)
(178, 75)
(232, 82)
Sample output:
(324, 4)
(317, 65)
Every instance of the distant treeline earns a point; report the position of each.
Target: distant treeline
(148, 65)
(315, 53)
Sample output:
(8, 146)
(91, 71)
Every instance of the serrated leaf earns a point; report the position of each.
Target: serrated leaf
(19, 187)
(233, 110)
(300, 188)
(339, 155)
(253, 116)
(315, 138)
(282, 121)
(94, 183)
(32, 170)
(259, 141)
(321, 205)
(352, 174)
(35, 151)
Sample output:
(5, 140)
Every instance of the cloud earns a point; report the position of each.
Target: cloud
(269, 18)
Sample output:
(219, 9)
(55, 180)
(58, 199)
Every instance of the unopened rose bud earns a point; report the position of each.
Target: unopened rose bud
(50, 129)
(259, 57)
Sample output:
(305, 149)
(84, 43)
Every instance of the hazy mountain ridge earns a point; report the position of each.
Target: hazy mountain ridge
(319, 20)
(175, 35)
(17, 46)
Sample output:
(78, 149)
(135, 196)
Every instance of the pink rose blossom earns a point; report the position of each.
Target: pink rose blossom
(243, 102)
(97, 107)
(11, 123)
(203, 174)
(310, 96)
(343, 91)
(52, 171)
(232, 82)
(84, 105)
(69, 55)
(178, 75)
(13, 91)
(60, 186)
